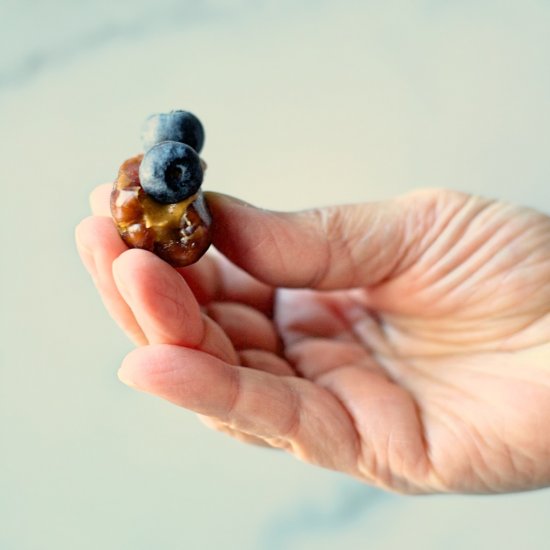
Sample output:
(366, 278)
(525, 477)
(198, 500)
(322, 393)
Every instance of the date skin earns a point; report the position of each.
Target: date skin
(177, 233)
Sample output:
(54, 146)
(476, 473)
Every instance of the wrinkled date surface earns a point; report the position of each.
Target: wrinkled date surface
(178, 233)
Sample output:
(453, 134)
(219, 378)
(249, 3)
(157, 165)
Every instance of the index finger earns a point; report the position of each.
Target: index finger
(214, 277)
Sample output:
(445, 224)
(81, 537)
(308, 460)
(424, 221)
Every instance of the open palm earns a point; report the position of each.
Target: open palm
(406, 343)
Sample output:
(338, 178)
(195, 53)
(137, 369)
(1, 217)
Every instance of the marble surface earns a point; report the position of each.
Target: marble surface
(305, 103)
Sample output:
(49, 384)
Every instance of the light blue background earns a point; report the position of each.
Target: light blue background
(304, 103)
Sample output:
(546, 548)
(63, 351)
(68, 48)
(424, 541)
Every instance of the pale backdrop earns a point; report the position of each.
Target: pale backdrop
(304, 103)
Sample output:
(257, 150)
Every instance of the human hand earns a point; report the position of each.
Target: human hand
(406, 343)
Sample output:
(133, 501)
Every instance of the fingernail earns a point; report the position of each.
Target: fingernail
(86, 256)
(220, 197)
(120, 283)
(125, 376)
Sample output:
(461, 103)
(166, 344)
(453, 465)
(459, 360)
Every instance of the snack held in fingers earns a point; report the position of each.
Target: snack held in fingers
(157, 202)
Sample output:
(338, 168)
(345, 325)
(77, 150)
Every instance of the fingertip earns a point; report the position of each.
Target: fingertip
(99, 200)
(130, 263)
(252, 238)
(221, 200)
(97, 238)
(128, 269)
(95, 232)
(230, 213)
(189, 378)
(278, 248)
(131, 372)
(256, 402)
(159, 297)
(99, 245)
(146, 368)
(83, 231)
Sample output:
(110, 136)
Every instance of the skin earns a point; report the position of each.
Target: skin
(405, 343)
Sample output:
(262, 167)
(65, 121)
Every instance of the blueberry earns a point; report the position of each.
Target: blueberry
(170, 172)
(181, 126)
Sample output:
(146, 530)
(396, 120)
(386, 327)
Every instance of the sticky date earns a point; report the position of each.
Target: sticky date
(178, 233)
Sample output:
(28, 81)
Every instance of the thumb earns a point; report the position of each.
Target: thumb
(326, 248)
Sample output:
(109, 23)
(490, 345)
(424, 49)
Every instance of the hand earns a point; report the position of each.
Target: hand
(406, 343)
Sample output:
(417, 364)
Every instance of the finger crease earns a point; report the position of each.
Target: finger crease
(292, 427)
(234, 393)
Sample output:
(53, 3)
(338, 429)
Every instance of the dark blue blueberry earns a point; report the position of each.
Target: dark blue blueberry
(181, 126)
(170, 172)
